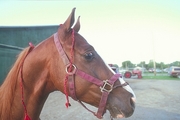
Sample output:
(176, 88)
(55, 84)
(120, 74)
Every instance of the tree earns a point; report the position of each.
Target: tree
(151, 64)
(176, 63)
(158, 65)
(115, 65)
(162, 65)
(142, 64)
(128, 64)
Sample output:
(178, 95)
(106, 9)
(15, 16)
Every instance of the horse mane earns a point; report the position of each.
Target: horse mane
(7, 89)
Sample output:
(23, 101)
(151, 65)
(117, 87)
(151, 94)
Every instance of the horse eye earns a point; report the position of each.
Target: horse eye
(89, 56)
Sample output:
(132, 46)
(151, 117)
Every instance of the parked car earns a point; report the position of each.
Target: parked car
(114, 68)
(158, 70)
(166, 70)
(174, 71)
(151, 70)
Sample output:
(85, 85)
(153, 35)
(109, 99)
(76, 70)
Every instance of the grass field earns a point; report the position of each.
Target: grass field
(159, 76)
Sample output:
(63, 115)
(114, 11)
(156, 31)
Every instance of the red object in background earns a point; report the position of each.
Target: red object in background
(138, 73)
(128, 74)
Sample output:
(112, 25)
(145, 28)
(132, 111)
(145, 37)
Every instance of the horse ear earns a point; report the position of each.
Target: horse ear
(70, 20)
(77, 25)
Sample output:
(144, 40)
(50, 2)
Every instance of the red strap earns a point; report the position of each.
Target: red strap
(60, 50)
(103, 101)
(69, 78)
(72, 88)
(26, 117)
(89, 78)
(85, 76)
(104, 97)
(102, 105)
(101, 108)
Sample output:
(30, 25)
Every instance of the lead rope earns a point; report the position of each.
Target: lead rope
(26, 117)
(69, 70)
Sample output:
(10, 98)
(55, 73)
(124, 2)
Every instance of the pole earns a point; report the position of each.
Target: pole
(154, 61)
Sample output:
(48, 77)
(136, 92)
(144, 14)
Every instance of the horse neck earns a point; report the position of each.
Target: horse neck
(36, 89)
(8, 89)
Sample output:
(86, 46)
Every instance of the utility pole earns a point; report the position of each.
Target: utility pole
(126, 65)
(154, 61)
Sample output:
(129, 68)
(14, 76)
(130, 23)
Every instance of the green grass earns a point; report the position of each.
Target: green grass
(159, 76)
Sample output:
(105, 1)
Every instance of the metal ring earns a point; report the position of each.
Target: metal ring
(73, 69)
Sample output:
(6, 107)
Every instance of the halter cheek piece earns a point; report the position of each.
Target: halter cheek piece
(106, 86)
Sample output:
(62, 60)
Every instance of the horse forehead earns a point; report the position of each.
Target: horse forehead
(82, 45)
(80, 39)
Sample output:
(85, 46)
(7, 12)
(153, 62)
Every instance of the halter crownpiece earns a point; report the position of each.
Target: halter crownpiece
(106, 86)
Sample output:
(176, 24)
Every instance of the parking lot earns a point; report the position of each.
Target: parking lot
(156, 100)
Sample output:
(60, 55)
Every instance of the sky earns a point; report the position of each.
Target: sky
(120, 30)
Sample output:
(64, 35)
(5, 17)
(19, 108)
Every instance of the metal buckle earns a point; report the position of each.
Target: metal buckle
(73, 69)
(106, 84)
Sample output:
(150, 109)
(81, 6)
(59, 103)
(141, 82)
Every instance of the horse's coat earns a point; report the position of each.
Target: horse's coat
(44, 72)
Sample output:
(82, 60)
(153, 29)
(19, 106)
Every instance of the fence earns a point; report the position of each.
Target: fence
(14, 39)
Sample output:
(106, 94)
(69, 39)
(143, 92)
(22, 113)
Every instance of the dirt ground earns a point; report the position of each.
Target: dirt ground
(156, 100)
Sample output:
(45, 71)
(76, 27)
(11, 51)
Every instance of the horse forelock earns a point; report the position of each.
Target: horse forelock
(7, 89)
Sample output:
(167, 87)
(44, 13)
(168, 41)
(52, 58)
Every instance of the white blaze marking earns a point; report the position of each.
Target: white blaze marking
(127, 87)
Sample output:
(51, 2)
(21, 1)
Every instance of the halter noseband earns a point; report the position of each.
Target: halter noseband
(106, 86)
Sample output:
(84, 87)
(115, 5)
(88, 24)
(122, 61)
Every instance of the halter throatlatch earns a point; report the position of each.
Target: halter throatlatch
(26, 116)
(106, 86)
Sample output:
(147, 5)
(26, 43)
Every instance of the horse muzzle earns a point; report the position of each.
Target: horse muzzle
(121, 101)
(117, 111)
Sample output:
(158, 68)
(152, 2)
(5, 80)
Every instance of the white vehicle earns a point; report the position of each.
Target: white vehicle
(174, 71)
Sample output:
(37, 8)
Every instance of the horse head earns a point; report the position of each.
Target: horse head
(88, 76)
(68, 63)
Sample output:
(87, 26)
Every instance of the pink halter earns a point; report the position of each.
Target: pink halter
(72, 70)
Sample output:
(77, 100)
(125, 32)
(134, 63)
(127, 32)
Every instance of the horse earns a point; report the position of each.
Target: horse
(63, 62)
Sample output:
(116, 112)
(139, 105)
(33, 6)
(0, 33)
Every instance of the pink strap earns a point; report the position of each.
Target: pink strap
(72, 88)
(114, 78)
(102, 105)
(66, 62)
(60, 50)
(89, 78)
(101, 108)
(104, 97)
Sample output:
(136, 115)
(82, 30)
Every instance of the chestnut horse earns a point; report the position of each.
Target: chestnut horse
(65, 62)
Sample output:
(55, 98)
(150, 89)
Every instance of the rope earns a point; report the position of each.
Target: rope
(21, 84)
(69, 70)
